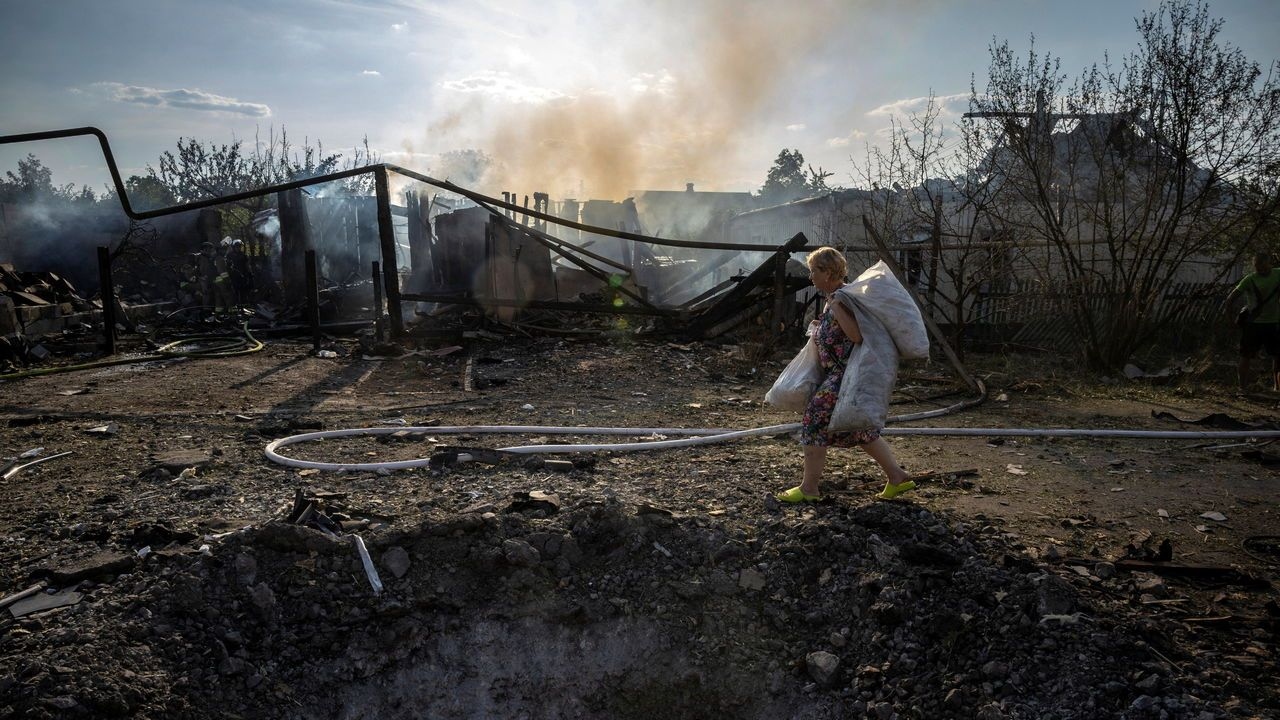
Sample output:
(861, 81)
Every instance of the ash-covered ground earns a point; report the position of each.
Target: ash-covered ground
(186, 576)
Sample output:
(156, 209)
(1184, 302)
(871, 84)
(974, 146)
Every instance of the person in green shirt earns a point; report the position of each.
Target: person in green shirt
(1261, 291)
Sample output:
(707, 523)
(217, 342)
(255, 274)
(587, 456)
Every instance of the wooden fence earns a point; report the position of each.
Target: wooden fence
(1023, 312)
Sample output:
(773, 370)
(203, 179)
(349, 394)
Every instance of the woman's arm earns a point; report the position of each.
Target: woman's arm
(848, 323)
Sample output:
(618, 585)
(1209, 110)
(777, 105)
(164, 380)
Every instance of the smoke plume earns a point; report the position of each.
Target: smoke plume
(706, 75)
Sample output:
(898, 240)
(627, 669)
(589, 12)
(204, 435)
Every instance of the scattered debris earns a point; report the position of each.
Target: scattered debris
(1212, 573)
(108, 429)
(39, 602)
(12, 471)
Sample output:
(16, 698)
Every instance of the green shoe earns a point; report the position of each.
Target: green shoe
(796, 495)
(892, 491)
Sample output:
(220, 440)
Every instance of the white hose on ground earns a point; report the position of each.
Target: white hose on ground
(706, 436)
(703, 436)
(1088, 432)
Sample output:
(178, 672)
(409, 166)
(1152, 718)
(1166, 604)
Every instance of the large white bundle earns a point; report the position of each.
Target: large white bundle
(878, 292)
(869, 374)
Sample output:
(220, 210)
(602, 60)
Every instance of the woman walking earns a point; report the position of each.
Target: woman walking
(836, 335)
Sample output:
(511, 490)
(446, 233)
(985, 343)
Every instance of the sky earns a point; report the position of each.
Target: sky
(578, 98)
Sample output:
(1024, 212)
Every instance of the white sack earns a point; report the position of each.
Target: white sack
(869, 375)
(794, 387)
(879, 293)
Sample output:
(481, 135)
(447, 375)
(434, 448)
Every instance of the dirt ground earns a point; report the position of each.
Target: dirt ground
(228, 611)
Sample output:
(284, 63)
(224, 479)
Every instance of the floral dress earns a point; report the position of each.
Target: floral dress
(834, 348)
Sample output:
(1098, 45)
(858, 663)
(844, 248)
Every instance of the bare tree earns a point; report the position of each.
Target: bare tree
(1113, 182)
(923, 188)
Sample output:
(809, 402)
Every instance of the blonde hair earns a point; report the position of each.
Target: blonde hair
(827, 259)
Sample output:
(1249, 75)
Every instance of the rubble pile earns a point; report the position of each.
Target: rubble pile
(587, 603)
(31, 305)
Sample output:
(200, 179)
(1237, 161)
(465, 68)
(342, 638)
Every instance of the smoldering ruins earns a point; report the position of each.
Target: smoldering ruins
(157, 565)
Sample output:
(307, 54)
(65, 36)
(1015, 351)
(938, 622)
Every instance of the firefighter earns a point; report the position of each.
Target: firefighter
(240, 273)
(206, 273)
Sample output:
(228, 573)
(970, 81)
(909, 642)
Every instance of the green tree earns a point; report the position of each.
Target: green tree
(34, 183)
(199, 171)
(788, 179)
(148, 193)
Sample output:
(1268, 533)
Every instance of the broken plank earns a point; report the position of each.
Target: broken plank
(1214, 573)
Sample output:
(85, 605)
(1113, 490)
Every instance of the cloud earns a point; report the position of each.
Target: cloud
(372, 73)
(181, 98)
(399, 27)
(796, 127)
(503, 86)
(948, 106)
(846, 140)
(661, 84)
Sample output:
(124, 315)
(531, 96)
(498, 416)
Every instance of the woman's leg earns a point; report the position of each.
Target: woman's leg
(815, 460)
(880, 451)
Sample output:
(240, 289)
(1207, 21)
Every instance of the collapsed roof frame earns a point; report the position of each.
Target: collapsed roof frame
(718, 317)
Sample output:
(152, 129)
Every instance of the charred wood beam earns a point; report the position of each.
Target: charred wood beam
(734, 321)
(594, 271)
(695, 302)
(1210, 573)
(583, 251)
(108, 294)
(733, 301)
(706, 270)
(377, 305)
(313, 298)
(553, 243)
(295, 241)
(390, 267)
(418, 226)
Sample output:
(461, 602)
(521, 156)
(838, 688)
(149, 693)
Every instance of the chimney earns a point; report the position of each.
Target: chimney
(688, 187)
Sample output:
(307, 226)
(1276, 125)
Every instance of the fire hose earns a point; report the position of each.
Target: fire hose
(702, 436)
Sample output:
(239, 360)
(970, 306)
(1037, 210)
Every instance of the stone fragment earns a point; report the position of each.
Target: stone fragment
(96, 567)
(536, 500)
(751, 579)
(396, 561)
(1142, 702)
(954, 699)
(520, 553)
(41, 601)
(990, 711)
(175, 461)
(1055, 596)
(1152, 584)
(1148, 684)
(264, 598)
(246, 567)
(823, 667)
(995, 670)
